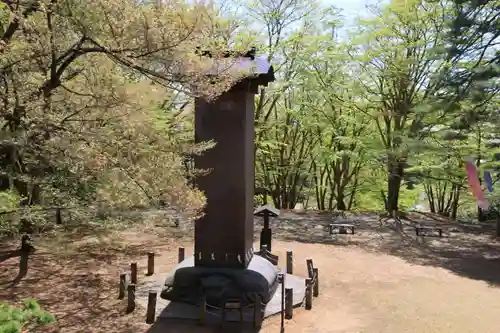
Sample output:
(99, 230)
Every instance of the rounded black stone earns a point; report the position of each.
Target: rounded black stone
(189, 284)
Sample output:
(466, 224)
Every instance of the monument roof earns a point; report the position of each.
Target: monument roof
(256, 66)
(246, 65)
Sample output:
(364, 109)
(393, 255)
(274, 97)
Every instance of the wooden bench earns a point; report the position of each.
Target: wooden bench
(341, 228)
(423, 230)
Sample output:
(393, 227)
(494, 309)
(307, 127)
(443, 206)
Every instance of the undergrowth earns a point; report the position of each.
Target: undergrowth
(15, 319)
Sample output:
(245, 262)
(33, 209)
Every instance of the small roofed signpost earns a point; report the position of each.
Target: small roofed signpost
(266, 212)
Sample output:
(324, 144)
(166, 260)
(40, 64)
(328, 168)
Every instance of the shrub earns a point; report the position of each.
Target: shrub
(14, 319)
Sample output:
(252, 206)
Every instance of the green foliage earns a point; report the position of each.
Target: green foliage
(9, 200)
(351, 122)
(108, 100)
(473, 34)
(90, 95)
(15, 319)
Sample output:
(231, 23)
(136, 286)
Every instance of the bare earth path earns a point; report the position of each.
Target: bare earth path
(370, 292)
(375, 281)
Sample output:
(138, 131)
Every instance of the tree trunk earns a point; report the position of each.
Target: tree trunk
(395, 173)
(454, 206)
(340, 201)
(331, 199)
(384, 198)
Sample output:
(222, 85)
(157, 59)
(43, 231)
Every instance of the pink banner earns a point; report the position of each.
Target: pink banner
(475, 185)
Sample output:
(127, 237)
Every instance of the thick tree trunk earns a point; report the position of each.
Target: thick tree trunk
(395, 174)
(393, 193)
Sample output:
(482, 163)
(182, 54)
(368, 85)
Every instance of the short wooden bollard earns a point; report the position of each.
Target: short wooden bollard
(203, 311)
(316, 283)
(289, 262)
(257, 312)
(151, 263)
(151, 310)
(288, 303)
(123, 286)
(309, 298)
(131, 298)
(181, 254)
(58, 216)
(310, 268)
(133, 273)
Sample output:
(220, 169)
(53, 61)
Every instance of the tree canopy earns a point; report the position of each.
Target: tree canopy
(96, 101)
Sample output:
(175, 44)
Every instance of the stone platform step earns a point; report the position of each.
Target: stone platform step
(174, 310)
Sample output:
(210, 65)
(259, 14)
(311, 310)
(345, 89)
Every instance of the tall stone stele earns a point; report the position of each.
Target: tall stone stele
(224, 264)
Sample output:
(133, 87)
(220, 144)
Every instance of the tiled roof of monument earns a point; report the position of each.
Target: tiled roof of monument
(257, 66)
(247, 65)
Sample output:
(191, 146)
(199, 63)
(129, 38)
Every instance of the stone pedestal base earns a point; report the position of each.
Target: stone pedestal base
(178, 310)
(189, 284)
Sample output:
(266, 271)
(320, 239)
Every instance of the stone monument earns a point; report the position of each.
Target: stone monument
(224, 266)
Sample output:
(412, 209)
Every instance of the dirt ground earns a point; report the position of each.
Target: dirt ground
(374, 281)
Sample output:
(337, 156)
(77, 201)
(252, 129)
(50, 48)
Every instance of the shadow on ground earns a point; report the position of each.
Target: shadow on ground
(59, 280)
(185, 326)
(467, 255)
(78, 287)
(22, 267)
(468, 251)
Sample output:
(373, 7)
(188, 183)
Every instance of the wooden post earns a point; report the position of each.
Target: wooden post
(257, 314)
(131, 298)
(123, 286)
(26, 244)
(151, 263)
(181, 254)
(498, 226)
(289, 262)
(316, 283)
(203, 311)
(288, 303)
(282, 301)
(310, 268)
(133, 273)
(151, 310)
(58, 216)
(309, 299)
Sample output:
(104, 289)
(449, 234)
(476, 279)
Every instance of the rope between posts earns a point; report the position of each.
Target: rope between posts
(208, 306)
(212, 306)
(303, 301)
